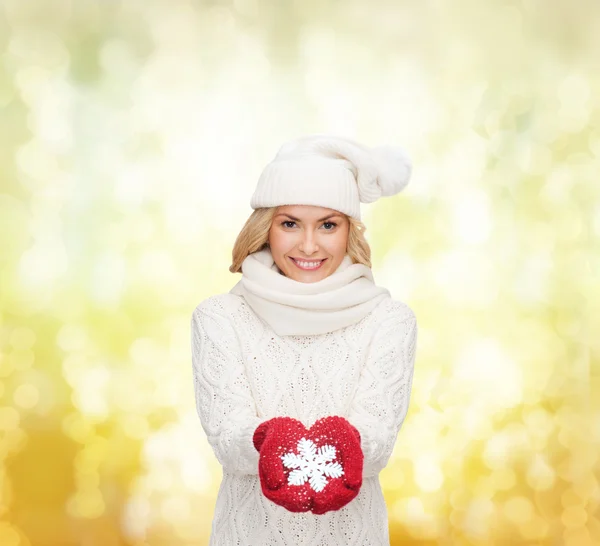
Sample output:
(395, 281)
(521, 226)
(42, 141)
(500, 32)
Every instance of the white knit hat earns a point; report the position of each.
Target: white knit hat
(332, 172)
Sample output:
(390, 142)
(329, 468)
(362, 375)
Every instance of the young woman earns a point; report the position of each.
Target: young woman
(303, 371)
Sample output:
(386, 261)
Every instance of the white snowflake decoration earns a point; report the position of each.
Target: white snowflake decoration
(312, 464)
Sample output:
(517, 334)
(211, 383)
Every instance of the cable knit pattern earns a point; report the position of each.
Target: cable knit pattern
(245, 374)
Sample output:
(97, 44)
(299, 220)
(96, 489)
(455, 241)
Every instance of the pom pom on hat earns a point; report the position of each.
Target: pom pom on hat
(332, 171)
(393, 171)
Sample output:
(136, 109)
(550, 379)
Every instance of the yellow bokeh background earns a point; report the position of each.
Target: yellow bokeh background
(132, 134)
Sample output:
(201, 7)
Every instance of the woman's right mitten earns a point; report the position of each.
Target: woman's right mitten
(272, 439)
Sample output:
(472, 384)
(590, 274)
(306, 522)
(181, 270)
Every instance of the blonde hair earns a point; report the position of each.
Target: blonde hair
(254, 236)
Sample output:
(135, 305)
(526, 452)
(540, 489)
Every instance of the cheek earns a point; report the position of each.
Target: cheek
(279, 241)
(338, 243)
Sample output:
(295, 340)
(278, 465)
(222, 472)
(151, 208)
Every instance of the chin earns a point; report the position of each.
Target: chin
(308, 281)
(309, 277)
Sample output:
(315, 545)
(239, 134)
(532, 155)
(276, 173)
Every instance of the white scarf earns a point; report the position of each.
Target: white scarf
(293, 307)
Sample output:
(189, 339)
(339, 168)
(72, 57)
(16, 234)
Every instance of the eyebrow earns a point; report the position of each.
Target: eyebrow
(298, 219)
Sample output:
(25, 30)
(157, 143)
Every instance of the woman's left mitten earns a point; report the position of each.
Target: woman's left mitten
(337, 433)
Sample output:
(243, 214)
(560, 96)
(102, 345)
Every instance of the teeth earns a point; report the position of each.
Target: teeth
(309, 265)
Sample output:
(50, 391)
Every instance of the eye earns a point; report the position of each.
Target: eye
(287, 222)
(332, 224)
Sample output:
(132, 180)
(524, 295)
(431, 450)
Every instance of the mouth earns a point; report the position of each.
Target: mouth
(308, 265)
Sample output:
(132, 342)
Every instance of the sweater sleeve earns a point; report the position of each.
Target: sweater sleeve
(223, 395)
(382, 397)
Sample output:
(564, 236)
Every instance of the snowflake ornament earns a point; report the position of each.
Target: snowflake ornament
(312, 464)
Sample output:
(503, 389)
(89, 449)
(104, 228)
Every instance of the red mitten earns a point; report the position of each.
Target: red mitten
(272, 439)
(318, 469)
(345, 438)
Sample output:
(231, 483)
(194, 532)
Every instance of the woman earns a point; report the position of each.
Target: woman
(303, 371)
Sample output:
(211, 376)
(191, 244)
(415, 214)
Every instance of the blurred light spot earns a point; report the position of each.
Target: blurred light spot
(393, 480)
(475, 422)
(505, 446)
(557, 189)
(414, 509)
(127, 398)
(157, 266)
(518, 509)
(428, 474)
(108, 279)
(9, 418)
(90, 394)
(585, 487)
(571, 498)
(77, 427)
(142, 228)
(35, 160)
(22, 338)
(577, 536)
(73, 366)
(91, 455)
(175, 508)
(31, 81)
(14, 214)
(117, 59)
(536, 528)
(574, 516)
(22, 359)
(131, 184)
(87, 479)
(493, 377)
(531, 284)
(477, 516)
(573, 94)
(472, 216)
(9, 536)
(465, 276)
(135, 426)
(72, 337)
(247, 8)
(43, 264)
(533, 158)
(87, 504)
(574, 90)
(160, 478)
(594, 143)
(26, 396)
(136, 517)
(6, 365)
(503, 479)
(399, 274)
(539, 421)
(183, 219)
(36, 45)
(459, 498)
(14, 440)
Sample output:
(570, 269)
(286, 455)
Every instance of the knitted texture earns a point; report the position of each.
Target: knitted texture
(317, 469)
(331, 171)
(245, 375)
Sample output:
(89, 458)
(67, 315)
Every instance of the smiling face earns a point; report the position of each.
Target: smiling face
(308, 243)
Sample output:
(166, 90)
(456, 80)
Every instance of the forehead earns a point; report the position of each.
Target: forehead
(306, 211)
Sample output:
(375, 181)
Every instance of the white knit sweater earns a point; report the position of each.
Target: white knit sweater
(245, 374)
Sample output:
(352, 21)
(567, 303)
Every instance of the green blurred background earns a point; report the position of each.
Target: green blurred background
(132, 134)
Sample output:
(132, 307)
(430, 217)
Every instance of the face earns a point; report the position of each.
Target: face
(308, 243)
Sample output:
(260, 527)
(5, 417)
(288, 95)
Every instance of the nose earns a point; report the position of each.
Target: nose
(309, 245)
